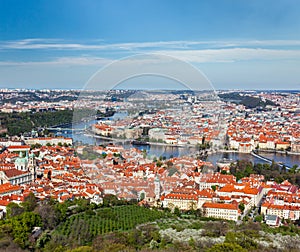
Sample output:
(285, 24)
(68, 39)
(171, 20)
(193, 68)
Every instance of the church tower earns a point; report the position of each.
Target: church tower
(32, 166)
(157, 187)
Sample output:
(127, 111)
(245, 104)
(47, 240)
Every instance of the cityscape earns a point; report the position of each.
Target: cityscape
(104, 149)
(126, 145)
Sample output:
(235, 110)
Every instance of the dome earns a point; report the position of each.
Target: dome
(21, 160)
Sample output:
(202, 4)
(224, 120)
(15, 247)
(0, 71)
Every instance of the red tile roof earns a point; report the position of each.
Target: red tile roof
(13, 173)
(220, 205)
(7, 187)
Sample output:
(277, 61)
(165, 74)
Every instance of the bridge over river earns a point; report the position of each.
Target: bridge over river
(268, 160)
(61, 129)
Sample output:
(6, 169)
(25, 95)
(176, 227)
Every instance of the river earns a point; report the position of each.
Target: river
(167, 151)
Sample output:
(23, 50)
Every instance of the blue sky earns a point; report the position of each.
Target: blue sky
(236, 43)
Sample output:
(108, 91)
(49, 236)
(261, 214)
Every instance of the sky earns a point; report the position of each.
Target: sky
(236, 44)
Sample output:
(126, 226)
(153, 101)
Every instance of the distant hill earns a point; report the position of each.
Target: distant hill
(246, 100)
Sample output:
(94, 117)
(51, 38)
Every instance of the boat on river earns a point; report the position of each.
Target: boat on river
(136, 142)
(225, 162)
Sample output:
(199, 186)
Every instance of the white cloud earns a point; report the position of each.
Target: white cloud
(232, 54)
(192, 56)
(59, 44)
(190, 51)
(80, 61)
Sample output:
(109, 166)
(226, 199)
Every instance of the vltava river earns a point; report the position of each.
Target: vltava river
(167, 151)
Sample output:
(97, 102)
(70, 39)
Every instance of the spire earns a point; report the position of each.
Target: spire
(156, 178)
(157, 186)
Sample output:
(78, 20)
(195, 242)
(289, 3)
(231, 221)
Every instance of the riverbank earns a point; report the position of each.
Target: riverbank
(171, 150)
(107, 138)
(146, 143)
(280, 152)
(192, 149)
(162, 149)
(229, 151)
(263, 151)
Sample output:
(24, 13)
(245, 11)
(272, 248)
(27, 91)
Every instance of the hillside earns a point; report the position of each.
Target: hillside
(117, 225)
(246, 100)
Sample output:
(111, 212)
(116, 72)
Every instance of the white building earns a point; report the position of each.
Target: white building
(182, 201)
(49, 140)
(221, 211)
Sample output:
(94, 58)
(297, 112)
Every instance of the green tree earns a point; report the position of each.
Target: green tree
(110, 200)
(43, 239)
(215, 228)
(135, 239)
(158, 163)
(142, 196)
(293, 169)
(144, 154)
(177, 211)
(22, 226)
(30, 202)
(226, 247)
(13, 209)
(214, 187)
(169, 164)
(82, 249)
(259, 218)
(248, 170)
(242, 239)
(61, 209)
(49, 215)
(242, 207)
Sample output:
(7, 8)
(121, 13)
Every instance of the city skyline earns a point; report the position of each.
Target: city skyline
(237, 45)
